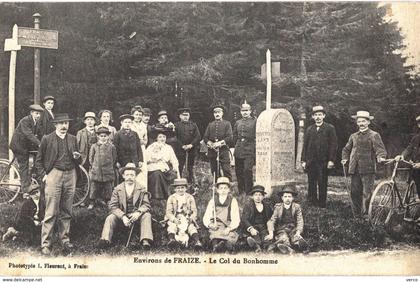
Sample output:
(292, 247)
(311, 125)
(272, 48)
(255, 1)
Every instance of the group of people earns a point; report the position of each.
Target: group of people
(140, 162)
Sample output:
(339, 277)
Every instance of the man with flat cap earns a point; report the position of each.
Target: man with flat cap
(46, 126)
(25, 139)
(56, 163)
(244, 139)
(318, 155)
(188, 137)
(362, 151)
(218, 136)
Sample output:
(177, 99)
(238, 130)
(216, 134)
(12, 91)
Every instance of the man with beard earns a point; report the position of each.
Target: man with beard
(364, 149)
(188, 137)
(24, 139)
(318, 155)
(218, 137)
(56, 163)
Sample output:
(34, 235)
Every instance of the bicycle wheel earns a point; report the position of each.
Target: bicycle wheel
(411, 202)
(10, 184)
(382, 204)
(82, 186)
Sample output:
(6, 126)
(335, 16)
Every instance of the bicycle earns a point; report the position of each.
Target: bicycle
(10, 183)
(387, 200)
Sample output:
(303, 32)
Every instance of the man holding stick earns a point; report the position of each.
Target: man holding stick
(129, 203)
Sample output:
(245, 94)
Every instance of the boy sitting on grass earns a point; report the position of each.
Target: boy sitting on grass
(255, 215)
(222, 218)
(286, 224)
(181, 213)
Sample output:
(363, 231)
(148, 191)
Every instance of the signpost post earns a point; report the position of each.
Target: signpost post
(29, 37)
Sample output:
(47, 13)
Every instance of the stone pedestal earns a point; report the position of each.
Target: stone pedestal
(275, 149)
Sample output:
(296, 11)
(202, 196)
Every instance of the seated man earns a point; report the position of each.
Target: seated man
(286, 224)
(255, 215)
(129, 203)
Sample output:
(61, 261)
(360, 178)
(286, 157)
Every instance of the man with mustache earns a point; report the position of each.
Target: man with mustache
(218, 137)
(56, 163)
(364, 149)
(24, 139)
(318, 156)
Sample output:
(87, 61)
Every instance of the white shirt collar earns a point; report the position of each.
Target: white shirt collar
(59, 134)
(364, 129)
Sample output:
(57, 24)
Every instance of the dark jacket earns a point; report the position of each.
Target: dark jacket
(84, 142)
(218, 131)
(128, 148)
(249, 211)
(363, 149)
(275, 220)
(48, 152)
(244, 137)
(118, 203)
(46, 126)
(412, 152)
(24, 138)
(186, 133)
(321, 145)
(102, 158)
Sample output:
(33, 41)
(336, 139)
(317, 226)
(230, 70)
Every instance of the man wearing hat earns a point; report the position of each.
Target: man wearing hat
(286, 223)
(129, 203)
(164, 125)
(56, 164)
(127, 143)
(318, 155)
(218, 136)
(46, 125)
(255, 216)
(363, 149)
(86, 137)
(412, 153)
(244, 139)
(188, 137)
(25, 139)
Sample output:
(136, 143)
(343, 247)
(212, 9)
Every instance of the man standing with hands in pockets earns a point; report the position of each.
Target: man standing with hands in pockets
(56, 163)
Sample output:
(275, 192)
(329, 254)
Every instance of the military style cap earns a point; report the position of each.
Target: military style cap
(316, 109)
(162, 112)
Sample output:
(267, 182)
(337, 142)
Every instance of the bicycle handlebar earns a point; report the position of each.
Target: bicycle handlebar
(390, 161)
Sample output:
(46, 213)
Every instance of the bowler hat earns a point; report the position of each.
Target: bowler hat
(257, 188)
(218, 106)
(362, 114)
(126, 116)
(46, 98)
(36, 108)
(89, 115)
(61, 118)
(103, 129)
(147, 112)
(222, 180)
(180, 182)
(183, 110)
(129, 166)
(316, 109)
(288, 189)
(162, 112)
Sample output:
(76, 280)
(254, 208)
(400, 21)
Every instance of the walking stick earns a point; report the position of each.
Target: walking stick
(219, 173)
(214, 199)
(129, 236)
(348, 190)
(186, 165)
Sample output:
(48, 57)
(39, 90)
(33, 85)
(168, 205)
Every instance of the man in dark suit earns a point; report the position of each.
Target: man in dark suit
(318, 155)
(188, 137)
(127, 143)
(46, 125)
(56, 164)
(218, 136)
(25, 139)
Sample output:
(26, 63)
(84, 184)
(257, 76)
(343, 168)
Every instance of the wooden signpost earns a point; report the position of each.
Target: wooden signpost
(28, 37)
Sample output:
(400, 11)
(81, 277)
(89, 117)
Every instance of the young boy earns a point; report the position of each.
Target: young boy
(28, 226)
(286, 224)
(127, 143)
(181, 213)
(255, 215)
(86, 137)
(103, 158)
(222, 217)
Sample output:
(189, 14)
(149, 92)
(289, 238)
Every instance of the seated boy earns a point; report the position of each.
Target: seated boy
(28, 226)
(222, 217)
(286, 224)
(181, 213)
(255, 215)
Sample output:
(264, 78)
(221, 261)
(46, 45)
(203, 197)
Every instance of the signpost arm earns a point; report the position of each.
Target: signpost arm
(268, 67)
(37, 63)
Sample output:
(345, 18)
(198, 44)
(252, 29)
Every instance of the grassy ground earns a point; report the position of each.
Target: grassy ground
(328, 229)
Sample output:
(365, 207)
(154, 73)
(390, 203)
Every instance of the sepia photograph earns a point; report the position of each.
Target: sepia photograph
(209, 138)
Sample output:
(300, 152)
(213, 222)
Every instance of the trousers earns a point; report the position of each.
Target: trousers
(361, 191)
(190, 164)
(25, 178)
(317, 183)
(224, 161)
(243, 170)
